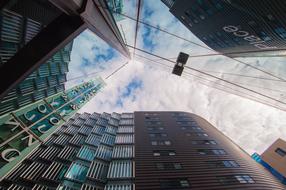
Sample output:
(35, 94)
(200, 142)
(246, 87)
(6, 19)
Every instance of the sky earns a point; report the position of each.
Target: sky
(143, 85)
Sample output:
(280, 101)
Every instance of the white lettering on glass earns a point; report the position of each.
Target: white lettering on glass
(42, 108)
(253, 40)
(8, 155)
(14, 123)
(30, 139)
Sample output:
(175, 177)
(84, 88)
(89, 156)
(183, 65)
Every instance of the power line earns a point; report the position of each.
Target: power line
(241, 75)
(232, 83)
(137, 25)
(224, 73)
(166, 59)
(182, 38)
(212, 76)
(197, 44)
(253, 98)
(116, 70)
(95, 73)
(79, 77)
(190, 73)
(240, 94)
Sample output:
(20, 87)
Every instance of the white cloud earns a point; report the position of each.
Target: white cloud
(251, 125)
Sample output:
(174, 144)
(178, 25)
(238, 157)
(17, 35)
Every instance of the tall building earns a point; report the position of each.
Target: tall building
(274, 159)
(22, 130)
(232, 26)
(141, 150)
(116, 6)
(48, 26)
(15, 32)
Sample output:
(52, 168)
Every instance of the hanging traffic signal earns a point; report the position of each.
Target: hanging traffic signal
(181, 61)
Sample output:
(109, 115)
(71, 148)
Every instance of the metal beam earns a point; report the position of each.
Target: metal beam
(50, 40)
(100, 20)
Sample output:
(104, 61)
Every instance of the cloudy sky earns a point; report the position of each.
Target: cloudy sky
(143, 85)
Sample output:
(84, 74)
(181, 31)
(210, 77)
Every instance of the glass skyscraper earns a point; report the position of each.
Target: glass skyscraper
(232, 27)
(141, 150)
(16, 31)
(22, 130)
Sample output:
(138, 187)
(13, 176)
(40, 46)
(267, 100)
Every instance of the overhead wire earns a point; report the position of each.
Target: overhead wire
(234, 74)
(116, 70)
(137, 25)
(276, 90)
(241, 75)
(96, 73)
(197, 44)
(253, 98)
(212, 76)
(240, 94)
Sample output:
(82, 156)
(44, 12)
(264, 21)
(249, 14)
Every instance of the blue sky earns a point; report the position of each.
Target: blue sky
(145, 86)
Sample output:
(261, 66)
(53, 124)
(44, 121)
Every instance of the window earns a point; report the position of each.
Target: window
(93, 139)
(104, 152)
(223, 164)
(281, 32)
(184, 118)
(157, 135)
(77, 172)
(218, 151)
(280, 152)
(123, 151)
(127, 115)
(164, 153)
(108, 139)
(113, 122)
(120, 169)
(150, 114)
(161, 143)
(119, 186)
(191, 128)
(111, 130)
(126, 122)
(174, 183)
(153, 123)
(211, 151)
(124, 139)
(98, 170)
(203, 142)
(234, 179)
(201, 134)
(125, 129)
(155, 128)
(175, 114)
(102, 122)
(86, 153)
(150, 118)
(168, 166)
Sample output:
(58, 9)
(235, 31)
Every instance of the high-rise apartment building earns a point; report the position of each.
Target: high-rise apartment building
(23, 130)
(15, 32)
(233, 26)
(141, 150)
(274, 159)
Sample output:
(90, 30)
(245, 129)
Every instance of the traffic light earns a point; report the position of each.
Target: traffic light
(181, 61)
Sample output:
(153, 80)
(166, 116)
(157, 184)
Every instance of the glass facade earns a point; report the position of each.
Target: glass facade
(278, 175)
(73, 159)
(16, 31)
(27, 128)
(232, 27)
(116, 7)
(107, 158)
